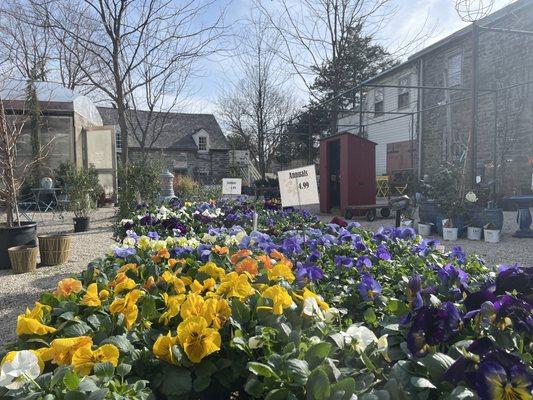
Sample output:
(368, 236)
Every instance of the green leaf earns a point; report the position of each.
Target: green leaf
(176, 382)
(397, 307)
(99, 394)
(298, 371)
(437, 364)
(71, 380)
(254, 387)
(317, 386)
(123, 370)
(422, 383)
(75, 395)
(104, 370)
(239, 311)
(370, 316)
(261, 369)
(317, 353)
(149, 309)
(205, 368)
(201, 383)
(278, 394)
(343, 390)
(120, 341)
(79, 328)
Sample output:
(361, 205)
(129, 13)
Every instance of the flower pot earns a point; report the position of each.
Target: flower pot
(449, 233)
(424, 229)
(23, 258)
(81, 224)
(474, 233)
(25, 234)
(54, 249)
(430, 211)
(407, 223)
(491, 235)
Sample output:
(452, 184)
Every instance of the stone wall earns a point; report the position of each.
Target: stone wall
(504, 60)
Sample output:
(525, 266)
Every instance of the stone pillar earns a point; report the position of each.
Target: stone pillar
(167, 185)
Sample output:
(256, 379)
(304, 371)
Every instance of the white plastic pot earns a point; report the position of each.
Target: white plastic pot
(474, 233)
(491, 235)
(424, 229)
(449, 234)
(407, 223)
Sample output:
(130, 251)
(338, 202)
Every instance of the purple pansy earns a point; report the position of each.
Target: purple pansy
(369, 288)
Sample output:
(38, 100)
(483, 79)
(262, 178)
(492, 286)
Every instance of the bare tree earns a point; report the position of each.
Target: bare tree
(127, 35)
(258, 103)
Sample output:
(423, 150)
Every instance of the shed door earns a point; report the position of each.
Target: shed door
(99, 150)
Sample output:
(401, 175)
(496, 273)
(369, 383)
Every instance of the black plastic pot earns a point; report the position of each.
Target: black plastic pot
(25, 234)
(81, 224)
(430, 212)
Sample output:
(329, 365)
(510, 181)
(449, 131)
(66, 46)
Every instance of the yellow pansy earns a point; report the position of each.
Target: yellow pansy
(173, 304)
(129, 267)
(217, 311)
(281, 271)
(235, 285)
(104, 294)
(144, 242)
(280, 299)
(174, 281)
(158, 245)
(127, 306)
(149, 283)
(212, 270)
(123, 283)
(84, 358)
(67, 286)
(163, 347)
(197, 340)
(31, 322)
(62, 350)
(192, 306)
(91, 298)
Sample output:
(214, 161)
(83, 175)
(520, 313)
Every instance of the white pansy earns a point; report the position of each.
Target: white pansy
(311, 308)
(471, 197)
(361, 335)
(126, 221)
(24, 366)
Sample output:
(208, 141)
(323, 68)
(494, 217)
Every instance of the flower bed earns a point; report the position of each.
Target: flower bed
(323, 312)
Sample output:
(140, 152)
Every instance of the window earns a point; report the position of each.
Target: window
(454, 74)
(378, 102)
(202, 143)
(403, 92)
(118, 139)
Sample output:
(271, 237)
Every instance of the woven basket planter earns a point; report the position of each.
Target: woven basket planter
(54, 249)
(23, 258)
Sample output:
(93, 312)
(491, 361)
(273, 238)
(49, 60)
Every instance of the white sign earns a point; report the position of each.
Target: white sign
(231, 185)
(298, 186)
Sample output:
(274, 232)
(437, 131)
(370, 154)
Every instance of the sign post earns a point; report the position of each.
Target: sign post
(298, 186)
(231, 186)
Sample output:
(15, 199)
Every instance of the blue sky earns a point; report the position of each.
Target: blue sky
(436, 18)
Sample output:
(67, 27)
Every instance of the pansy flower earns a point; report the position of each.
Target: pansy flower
(308, 272)
(369, 288)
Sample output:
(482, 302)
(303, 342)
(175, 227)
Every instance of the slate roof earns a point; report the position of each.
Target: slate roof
(177, 130)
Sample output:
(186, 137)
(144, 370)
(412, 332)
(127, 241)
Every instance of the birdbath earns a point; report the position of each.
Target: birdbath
(523, 216)
(167, 183)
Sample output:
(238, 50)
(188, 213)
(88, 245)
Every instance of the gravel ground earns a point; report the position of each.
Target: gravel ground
(19, 291)
(508, 250)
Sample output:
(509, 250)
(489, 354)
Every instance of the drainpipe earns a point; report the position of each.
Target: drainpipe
(473, 136)
(420, 117)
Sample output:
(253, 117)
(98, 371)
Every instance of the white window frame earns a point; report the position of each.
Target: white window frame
(402, 91)
(381, 92)
(454, 77)
(200, 149)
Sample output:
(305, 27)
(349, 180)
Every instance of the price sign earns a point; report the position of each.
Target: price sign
(231, 185)
(298, 186)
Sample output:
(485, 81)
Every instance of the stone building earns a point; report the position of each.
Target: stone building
(505, 103)
(189, 144)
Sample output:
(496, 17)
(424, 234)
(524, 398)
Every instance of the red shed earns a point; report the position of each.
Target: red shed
(347, 172)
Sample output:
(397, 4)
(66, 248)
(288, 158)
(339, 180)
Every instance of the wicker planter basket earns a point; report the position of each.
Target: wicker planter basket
(54, 249)
(23, 258)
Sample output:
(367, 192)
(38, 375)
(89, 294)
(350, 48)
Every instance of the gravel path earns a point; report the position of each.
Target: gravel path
(19, 291)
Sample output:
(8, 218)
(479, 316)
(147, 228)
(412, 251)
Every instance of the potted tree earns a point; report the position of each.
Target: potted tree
(14, 233)
(82, 190)
(473, 231)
